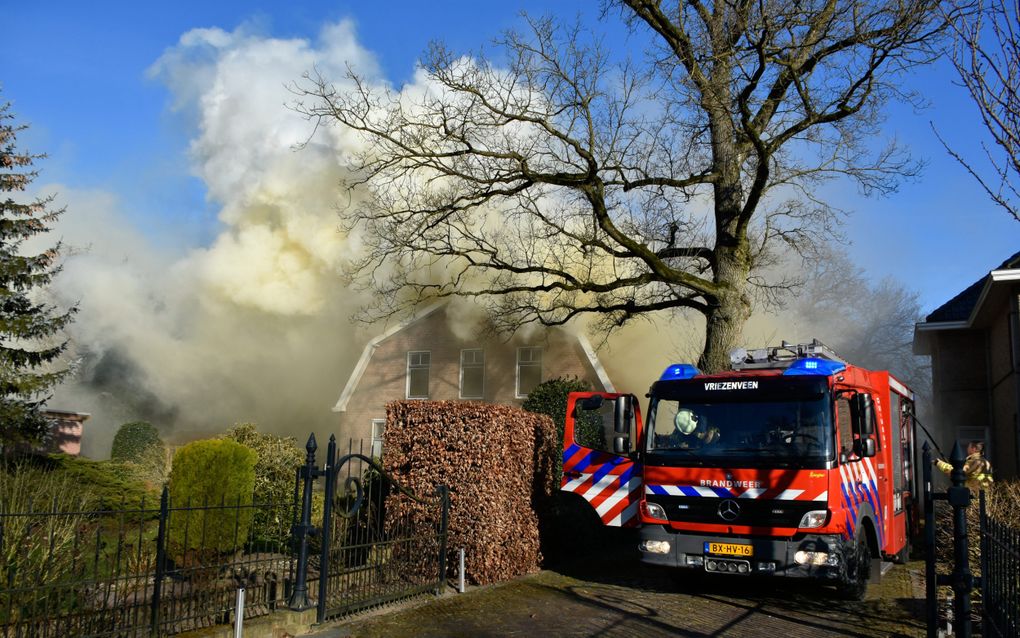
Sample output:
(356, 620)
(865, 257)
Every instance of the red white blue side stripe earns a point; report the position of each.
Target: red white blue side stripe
(859, 484)
(611, 484)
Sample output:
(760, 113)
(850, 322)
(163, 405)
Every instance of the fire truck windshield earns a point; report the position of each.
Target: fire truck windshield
(687, 424)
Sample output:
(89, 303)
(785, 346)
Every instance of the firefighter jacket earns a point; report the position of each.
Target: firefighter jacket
(976, 468)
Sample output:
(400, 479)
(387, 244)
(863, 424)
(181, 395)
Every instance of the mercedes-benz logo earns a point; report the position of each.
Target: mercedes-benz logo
(729, 510)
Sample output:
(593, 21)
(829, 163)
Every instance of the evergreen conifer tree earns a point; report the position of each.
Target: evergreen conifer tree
(31, 340)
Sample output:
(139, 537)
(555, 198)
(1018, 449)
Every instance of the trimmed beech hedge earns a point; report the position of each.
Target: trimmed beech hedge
(499, 463)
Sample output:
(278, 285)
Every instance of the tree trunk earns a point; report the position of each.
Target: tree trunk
(726, 318)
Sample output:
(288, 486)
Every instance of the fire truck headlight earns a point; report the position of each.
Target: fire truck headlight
(814, 518)
(655, 511)
(655, 547)
(814, 558)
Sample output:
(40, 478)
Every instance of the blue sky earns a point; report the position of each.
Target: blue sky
(77, 72)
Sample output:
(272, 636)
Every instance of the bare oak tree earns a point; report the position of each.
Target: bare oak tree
(569, 179)
(987, 57)
(868, 323)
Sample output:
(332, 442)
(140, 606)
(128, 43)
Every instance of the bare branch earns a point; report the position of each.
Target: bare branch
(556, 182)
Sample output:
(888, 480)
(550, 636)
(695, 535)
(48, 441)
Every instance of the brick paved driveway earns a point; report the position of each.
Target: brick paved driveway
(616, 596)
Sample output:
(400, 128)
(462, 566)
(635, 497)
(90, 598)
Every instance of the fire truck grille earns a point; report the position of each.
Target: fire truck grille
(753, 512)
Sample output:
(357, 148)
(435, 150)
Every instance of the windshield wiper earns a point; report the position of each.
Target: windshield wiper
(771, 451)
(693, 454)
(688, 450)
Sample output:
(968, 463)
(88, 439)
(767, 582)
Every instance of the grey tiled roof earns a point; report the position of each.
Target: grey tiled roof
(959, 307)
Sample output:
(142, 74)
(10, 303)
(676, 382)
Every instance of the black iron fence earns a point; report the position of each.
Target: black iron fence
(997, 577)
(139, 571)
(352, 541)
(1000, 576)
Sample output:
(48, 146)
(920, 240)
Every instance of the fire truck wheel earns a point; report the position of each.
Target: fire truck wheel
(858, 570)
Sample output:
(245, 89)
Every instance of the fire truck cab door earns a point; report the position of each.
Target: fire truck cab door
(600, 440)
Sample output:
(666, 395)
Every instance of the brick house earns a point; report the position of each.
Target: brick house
(974, 344)
(424, 358)
(66, 431)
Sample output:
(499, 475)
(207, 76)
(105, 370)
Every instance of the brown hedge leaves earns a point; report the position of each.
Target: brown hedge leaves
(498, 463)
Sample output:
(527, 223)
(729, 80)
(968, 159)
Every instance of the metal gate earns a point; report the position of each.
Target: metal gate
(1000, 577)
(377, 540)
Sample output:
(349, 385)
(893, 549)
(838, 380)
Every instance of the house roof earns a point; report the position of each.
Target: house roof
(66, 414)
(371, 346)
(960, 307)
(964, 310)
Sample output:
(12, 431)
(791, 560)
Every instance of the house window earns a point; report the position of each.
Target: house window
(418, 374)
(472, 374)
(378, 426)
(529, 370)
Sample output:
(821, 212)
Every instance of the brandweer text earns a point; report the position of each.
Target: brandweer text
(745, 484)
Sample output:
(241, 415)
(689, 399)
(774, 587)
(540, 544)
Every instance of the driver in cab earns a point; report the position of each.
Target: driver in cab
(686, 431)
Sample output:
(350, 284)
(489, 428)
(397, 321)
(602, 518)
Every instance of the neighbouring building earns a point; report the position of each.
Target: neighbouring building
(424, 358)
(66, 431)
(974, 344)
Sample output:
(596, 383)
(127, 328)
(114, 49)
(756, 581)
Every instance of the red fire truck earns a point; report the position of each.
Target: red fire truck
(794, 463)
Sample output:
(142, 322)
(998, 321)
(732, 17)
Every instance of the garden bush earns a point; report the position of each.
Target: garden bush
(105, 484)
(550, 398)
(211, 487)
(139, 445)
(39, 550)
(278, 458)
(134, 440)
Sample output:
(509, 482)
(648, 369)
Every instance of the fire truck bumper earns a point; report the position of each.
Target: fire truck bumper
(803, 556)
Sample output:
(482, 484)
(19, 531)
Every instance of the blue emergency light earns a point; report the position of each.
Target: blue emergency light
(812, 366)
(679, 371)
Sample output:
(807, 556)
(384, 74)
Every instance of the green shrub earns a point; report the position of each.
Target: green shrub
(211, 473)
(550, 398)
(275, 471)
(133, 442)
(107, 484)
(39, 550)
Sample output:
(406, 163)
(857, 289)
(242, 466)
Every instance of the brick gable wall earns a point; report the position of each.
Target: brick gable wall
(385, 377)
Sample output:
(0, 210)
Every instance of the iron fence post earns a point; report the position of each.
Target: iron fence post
(300, 532)
(444, 496)
(157, 585)
(329, 471)
(931, 608)
(963, 580)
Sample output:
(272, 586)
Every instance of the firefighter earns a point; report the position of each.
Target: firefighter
(976, 468)
(693, 431)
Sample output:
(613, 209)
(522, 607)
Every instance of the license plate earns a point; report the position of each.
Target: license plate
(728, 549)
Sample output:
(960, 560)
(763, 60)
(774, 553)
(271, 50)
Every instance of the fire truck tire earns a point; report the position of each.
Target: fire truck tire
(858, 571)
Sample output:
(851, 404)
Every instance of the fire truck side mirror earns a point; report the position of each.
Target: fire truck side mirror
(864, 447)
(867, 416)
(624, 415)
(862, 414)
(621, 445)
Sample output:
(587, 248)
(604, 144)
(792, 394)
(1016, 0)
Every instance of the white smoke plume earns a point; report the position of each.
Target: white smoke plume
(255, 326)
